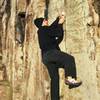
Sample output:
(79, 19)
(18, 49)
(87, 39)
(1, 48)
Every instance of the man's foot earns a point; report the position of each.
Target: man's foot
(73, 83)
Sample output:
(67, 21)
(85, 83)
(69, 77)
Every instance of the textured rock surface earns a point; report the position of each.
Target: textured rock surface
(22, 74)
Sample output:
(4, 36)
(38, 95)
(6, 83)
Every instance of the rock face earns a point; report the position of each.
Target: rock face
(22, 74)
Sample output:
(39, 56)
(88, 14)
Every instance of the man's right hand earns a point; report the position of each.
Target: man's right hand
(62, 18)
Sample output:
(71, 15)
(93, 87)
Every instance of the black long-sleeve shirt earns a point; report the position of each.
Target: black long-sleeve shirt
(50, 36)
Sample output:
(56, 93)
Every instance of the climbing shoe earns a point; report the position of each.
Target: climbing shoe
(73, 83)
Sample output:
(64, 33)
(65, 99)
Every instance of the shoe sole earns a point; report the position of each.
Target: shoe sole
(74, 85)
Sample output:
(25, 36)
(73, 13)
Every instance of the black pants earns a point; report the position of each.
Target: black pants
(55, 59)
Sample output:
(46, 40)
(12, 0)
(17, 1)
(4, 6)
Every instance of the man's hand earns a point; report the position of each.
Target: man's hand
(62, 18)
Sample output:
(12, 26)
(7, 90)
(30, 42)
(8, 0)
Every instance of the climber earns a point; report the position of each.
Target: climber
(50, 36)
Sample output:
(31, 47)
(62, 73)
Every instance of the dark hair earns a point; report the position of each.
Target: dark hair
(38, 22)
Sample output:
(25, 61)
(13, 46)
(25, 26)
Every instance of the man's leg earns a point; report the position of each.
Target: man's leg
(56, 59)
(68, 62)
(54, 75)
(70, 66)
(63, 60)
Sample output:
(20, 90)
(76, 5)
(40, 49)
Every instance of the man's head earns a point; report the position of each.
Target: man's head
(38, 22)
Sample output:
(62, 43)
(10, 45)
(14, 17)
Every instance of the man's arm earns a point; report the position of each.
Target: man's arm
(56, 27)
(55, 23)
(56, 30)
(59, 20)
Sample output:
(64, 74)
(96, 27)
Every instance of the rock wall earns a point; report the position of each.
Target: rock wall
(22, 74)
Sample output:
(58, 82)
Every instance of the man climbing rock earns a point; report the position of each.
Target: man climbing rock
(49, 39)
